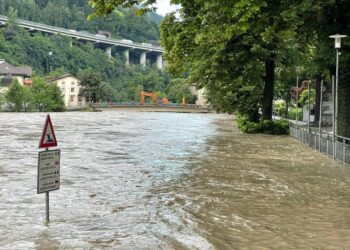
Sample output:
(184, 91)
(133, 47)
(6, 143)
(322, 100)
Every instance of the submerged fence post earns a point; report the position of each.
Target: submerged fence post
(320, 117)
(344, 147)
(47, 206)
(308, 107)
(333, 117)
(297, 106)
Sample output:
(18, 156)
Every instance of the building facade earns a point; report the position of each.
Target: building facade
(9, 73)
(200, 93)
(71, 89)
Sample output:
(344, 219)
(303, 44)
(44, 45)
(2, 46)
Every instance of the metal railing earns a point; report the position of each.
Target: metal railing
(138, 104)
(337, 147)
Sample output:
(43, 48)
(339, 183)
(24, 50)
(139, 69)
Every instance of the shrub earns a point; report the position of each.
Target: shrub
(280, 109)
(292, 114)
(273, 127)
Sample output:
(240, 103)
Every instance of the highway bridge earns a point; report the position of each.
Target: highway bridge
(103, 41)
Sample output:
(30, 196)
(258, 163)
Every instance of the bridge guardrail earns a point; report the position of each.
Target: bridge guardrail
(138, 104)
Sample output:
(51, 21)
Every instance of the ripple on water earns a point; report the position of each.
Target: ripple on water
(168, 181)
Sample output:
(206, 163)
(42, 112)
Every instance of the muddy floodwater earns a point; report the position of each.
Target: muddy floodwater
(134, 180)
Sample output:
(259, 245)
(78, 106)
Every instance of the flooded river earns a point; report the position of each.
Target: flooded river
(133, 180)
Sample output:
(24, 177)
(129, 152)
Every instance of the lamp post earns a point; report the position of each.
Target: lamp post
(49, 55)
(337, 46)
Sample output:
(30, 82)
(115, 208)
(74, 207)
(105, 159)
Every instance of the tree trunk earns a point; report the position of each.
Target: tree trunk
(343, 120)
(268, 88)
(318, 97)
(287, 100)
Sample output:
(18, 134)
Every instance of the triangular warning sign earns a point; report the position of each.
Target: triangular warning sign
(48, 138)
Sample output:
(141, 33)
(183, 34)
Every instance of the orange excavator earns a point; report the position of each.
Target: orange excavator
(154, 97)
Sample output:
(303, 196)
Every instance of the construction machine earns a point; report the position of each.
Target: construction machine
(154, 97)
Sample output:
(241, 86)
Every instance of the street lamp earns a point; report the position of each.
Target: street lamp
(337, 46)
(48, 62)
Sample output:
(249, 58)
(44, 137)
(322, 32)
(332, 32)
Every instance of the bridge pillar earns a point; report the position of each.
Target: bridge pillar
(126, 54)
(160, 61)
(109, 51)
(143, 59)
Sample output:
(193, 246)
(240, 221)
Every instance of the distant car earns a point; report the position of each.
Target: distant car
(72, 30)
(127, 41)
(147, 44)
(100, 36)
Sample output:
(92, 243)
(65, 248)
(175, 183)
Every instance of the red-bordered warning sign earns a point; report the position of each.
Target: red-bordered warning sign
(48, 138)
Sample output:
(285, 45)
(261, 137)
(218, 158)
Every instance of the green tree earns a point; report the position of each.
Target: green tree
(102, 7)
(2, 100)
(12, 26)
(15, 96)
(178, 89)
(229, 47)
(106, 92)
(137, 92)
(27, 99)
(305, 99)
(91, 82)
(46, 97)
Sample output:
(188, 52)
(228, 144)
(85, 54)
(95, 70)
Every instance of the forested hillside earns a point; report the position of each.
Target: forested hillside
(113, 80)
(72, 14)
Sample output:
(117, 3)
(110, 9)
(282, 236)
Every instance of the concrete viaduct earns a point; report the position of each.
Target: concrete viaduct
(107, 43)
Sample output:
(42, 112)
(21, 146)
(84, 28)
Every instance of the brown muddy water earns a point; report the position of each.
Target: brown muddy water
(133, 180)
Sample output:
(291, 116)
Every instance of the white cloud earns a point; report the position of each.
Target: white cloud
(164, 7)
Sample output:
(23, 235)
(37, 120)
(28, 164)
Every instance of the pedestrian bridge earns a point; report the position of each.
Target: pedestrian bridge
(137, 106)
(103, 41)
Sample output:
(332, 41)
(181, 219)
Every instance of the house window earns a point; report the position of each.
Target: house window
(73, 83)
(80, 98)
(72, 90)
(62, 89)
(72, 98)
(63, 83)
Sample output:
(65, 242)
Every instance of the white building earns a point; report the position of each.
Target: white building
(200, 93)
(71, 89)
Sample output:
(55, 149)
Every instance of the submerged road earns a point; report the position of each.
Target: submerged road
(135, 180)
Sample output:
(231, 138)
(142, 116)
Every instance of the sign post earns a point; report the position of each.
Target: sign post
(48, 164)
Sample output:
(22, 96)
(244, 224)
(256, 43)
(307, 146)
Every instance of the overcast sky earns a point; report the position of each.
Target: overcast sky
(164, 7)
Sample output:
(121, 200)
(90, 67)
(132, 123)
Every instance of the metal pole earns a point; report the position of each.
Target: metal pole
(47, 199)
(315, 141)
(308, 106)
(344, 148)
(297, 92)
(47, 203)
(333, 117)
(336, 104)
(320, 117)
(336, 92)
